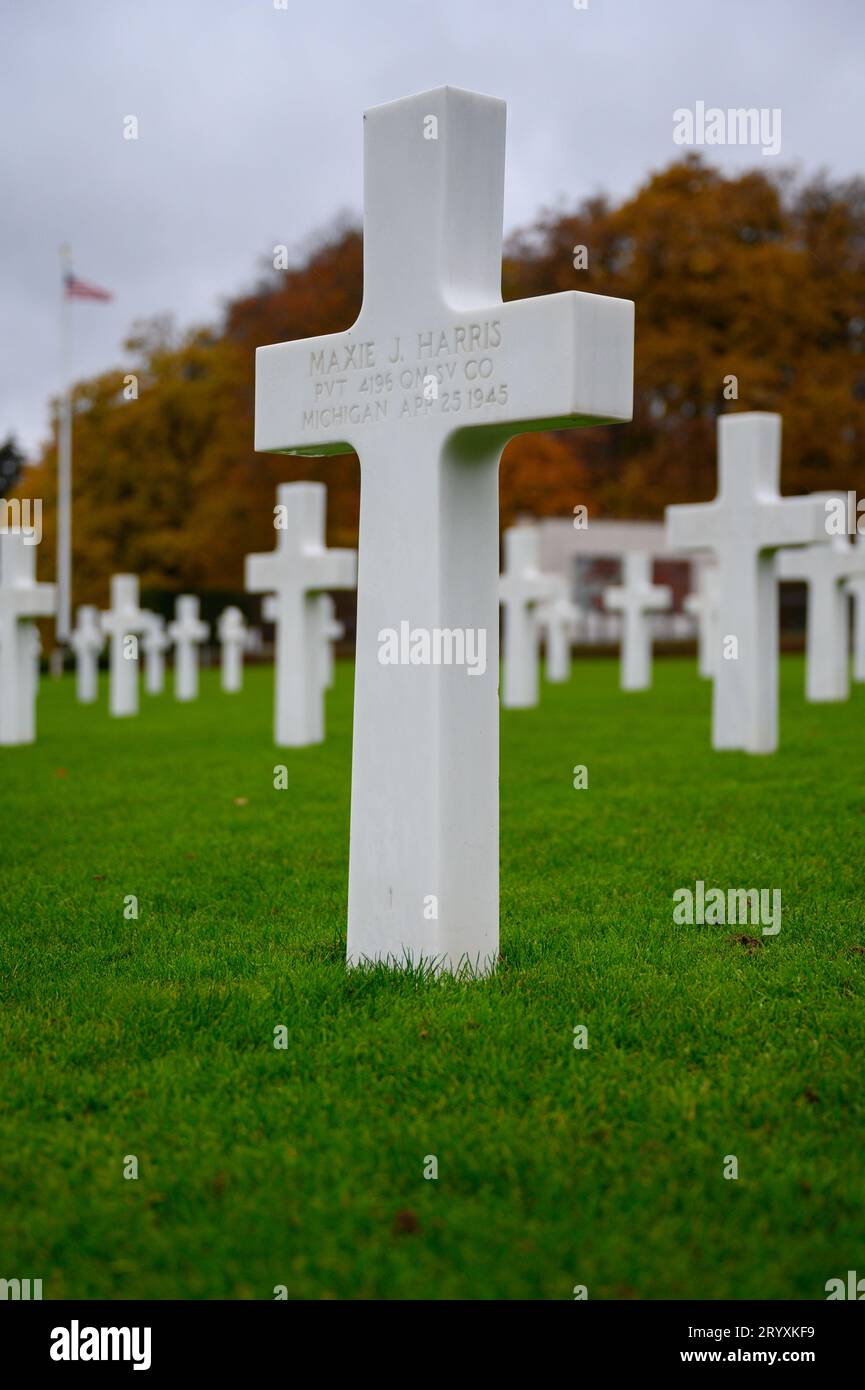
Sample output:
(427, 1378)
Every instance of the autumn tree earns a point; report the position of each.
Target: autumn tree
(750, 295)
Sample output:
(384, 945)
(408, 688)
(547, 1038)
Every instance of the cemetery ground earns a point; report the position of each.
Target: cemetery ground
(304, 1166)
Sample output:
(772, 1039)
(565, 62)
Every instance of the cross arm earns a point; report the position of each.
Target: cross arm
(37, 601)
(551, 362)
(84, 639)
(263, 573)
(659, 597)
(693, 526)
(565, 359)
(647, 597)
(335, 569)
(792, 521)
(123, 621)
(194, 631)
(829, 560)
(532, 587)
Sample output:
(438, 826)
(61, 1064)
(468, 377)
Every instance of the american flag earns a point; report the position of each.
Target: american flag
(79, 289)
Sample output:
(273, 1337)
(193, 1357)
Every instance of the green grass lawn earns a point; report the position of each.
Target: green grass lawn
(304, 1167)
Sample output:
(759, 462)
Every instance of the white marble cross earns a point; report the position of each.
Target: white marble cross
(155, 643)
(427, 386)
(331, 630)
(702, 604)
(232, 636)
(824, 568)
(293, 575)
(187, 632)
(87, 642)
(523, 588)
(21, 598)
(746, 523)
(123, 623)
(558, 622)
(856, 589)
(636, 599)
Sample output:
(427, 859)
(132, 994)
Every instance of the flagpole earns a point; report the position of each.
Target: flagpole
(64, 463)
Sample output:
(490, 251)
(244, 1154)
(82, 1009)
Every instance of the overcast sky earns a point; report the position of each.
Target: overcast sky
(250, 130)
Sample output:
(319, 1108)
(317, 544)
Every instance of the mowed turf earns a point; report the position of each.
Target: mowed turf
(304, 1167)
